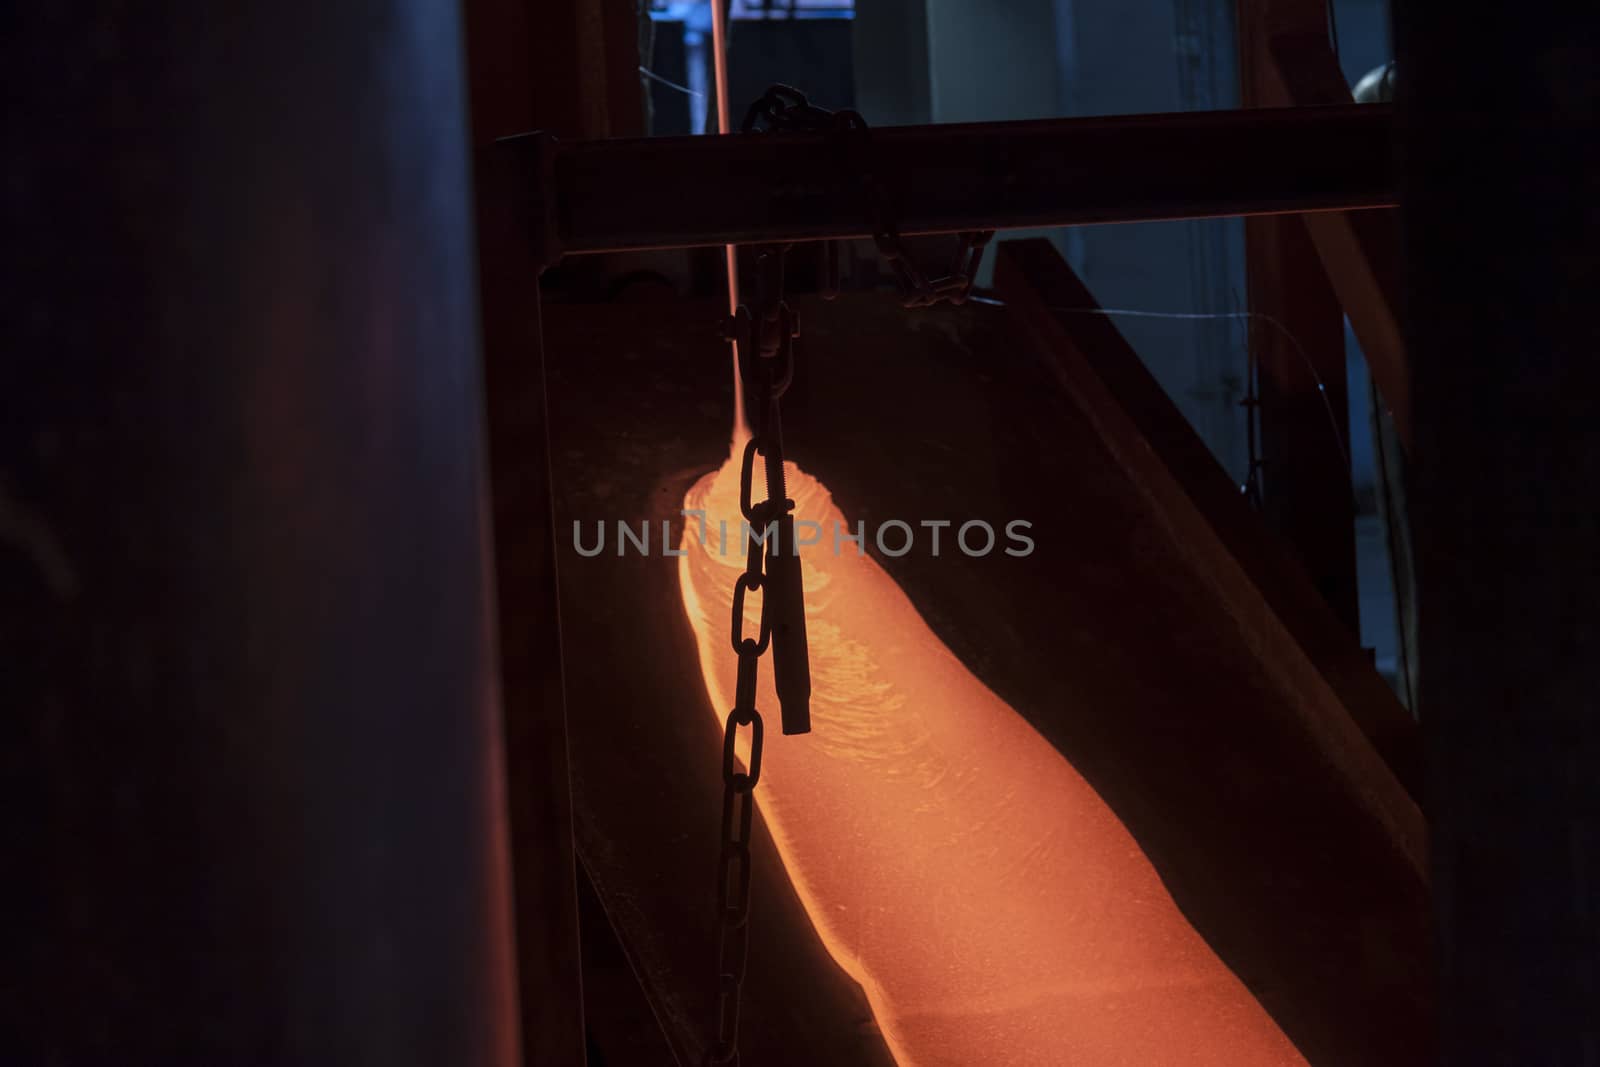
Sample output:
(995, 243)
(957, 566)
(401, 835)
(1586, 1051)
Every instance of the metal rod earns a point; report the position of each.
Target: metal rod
(673, 192)
(719, 60)
(719, 50)
(730, 252)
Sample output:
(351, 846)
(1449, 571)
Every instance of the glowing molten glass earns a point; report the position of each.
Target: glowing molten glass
(990, 904)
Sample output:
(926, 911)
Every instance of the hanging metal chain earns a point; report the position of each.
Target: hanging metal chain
(765, 344)
(784, 108)
(765, 340)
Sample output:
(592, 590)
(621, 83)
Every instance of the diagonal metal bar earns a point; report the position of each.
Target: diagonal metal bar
(1342, 697)
(1334, 814)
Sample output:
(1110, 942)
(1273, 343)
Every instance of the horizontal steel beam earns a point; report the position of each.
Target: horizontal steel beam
(675, 192)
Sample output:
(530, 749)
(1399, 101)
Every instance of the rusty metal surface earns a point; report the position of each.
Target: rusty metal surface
(1148, 686)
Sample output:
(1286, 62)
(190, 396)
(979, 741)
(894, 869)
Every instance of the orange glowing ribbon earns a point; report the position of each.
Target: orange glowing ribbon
(987, 900)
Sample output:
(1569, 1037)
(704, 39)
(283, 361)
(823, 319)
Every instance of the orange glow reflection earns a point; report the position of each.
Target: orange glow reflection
(990, 904)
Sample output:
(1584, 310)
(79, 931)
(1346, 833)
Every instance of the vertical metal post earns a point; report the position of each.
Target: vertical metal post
(1503, 337)
(719, 66)
(543, 861)
(251, 734)
(1297, 338)
(522, 78)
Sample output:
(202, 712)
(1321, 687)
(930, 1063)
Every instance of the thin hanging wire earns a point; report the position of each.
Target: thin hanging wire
(1251, 487)
(1256, 316)
(1252, 316)
(669, 83)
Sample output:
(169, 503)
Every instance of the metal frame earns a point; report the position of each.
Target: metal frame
(749, 189)
(532, 686)
(582, 198)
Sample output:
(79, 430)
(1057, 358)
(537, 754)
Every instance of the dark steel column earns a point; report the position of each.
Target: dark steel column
(520, 78)
(544, 865)
(1502, 107)
(255, 809)
(1360, 251)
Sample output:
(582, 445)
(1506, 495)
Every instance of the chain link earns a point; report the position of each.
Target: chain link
(783, 108)
(764, 338)
(733, 870)
(765, 345)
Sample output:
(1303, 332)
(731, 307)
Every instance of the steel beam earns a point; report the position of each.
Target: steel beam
(1297, 338)
(518, 79)
(543, 863)
(669, 192)
(1360, 252)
